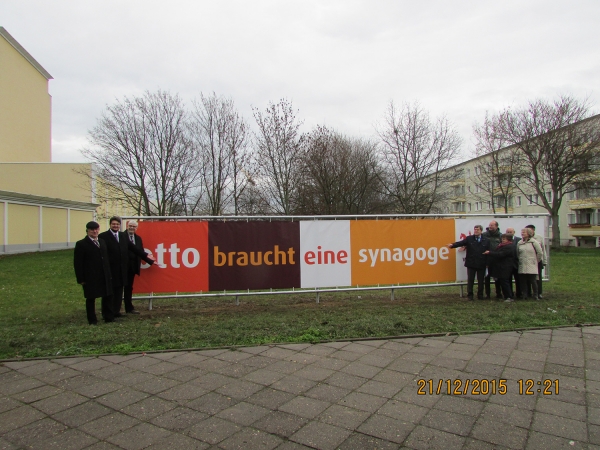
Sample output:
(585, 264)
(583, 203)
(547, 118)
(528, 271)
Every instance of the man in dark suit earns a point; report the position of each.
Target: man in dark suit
(119, 246)
(133, 268)
(511, 231)
(475, 261)
(92, 271)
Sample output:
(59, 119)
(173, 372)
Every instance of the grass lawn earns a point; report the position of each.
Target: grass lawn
(42, 312)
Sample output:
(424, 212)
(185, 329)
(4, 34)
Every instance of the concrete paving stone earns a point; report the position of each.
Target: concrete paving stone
(18, 417)
(559, 426)
(11, 375)
(57, 376)
(417, 357)
(335, 344)
(243, 413)
(270, 398)
(139, 436)
(278, 353)
(412, 367)
(167, 355)
(378, 388)
(155, 384)
(386, 428)
(5, 445)
(7, 403)
(213, 430)
(178, 441)
(59, 402)
(103, 445)
(538, 440)
(394, 378)
(591, 386)
(475, 340)
(430, 439)
(211, 364)
(499, 433)
(346, 355)
(140, 363)
(303, 358)
(372, 342)
(594, 434)
(80, 414)
(385, 353)
(436, 373)
(295, 347)
(36, 369)
(358, 347)
(559, 408)
(112, 372)
(343, 416)
(512, 374)
(109, 425)
(320, 435)
(32, 434)
(526, 364)
(399, 348)
(569, 396)
(593, 415)
(233, 356)
(187, 359)
(118, 359)
(507, 336)
(149, 408)
(212, 381)
(458, 424)
(212, 352)
(327, 392)
(254, 350)
(565, 359)
(403, 411)
(331, 363)
(361, 370)
(286, 367)
(537, 347)
(481, 368)
(96, 389)
(36, 394)
(251, 438)
(449, 363)
(568, 371)
(68, 440)
(409, 395)
(121, 398)
(592, 400)
(184, 374)
(411, 341)
(490, 358)
(319, 350)
(239, 389)
(434, 343)
(306, 407)
(359, 441)
(211, 403)
(183, 393)
(475, 444)
(461, 405)
(289, 445)
(265, 377)
(462, 348)
(593, 375)
(23, 384)
(314, 373)
(132, 377)
(67, 361)
(496, 349)
(17, 365)
(259, 362)
(294, 384)
(510, 415)
(178, 419)
(363, 402)
(91, 365)
(422, 350)
(280, 423)
(575, 346)
(513, 398)
(161, 368)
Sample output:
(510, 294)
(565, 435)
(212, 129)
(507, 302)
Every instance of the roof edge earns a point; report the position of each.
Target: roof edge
(24, 53)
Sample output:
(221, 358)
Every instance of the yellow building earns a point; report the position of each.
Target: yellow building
(43, 205)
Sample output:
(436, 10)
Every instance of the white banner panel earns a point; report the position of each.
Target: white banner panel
(325, 253)
(464, 228)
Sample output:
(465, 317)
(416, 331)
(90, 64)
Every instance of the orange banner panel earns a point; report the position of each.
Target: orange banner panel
(402, 251)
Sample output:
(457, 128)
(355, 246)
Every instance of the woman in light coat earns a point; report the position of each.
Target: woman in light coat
(530, 254)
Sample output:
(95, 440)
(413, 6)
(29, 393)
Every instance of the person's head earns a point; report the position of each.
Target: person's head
(477, 230)
(493, 226)
(506, 237)
(531, 227)
(526, 233)
(115, 223)
(92, 229)
(510, 231)
(132, 226)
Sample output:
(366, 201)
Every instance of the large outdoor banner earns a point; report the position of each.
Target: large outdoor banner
(260, 255)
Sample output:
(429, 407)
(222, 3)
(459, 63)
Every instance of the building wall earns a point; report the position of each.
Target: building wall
(25, 114)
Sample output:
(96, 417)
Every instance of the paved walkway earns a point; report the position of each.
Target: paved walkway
(346, 395)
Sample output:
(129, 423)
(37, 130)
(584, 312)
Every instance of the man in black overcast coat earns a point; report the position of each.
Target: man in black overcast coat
(133, 267)
(92, 271)
(119, 247)
(475, 261)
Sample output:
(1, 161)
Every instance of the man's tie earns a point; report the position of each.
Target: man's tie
(116, 235)
(95, 241)
(132, 239)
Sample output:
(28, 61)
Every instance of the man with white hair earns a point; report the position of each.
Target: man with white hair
(133, 267)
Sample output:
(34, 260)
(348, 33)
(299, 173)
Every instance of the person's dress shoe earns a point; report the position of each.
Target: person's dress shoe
(133, 311)
(118, 315)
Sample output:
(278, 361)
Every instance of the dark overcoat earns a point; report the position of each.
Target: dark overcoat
(118, 256)
(135, 261)
(92, 268)
(475, 259)
(501, 261)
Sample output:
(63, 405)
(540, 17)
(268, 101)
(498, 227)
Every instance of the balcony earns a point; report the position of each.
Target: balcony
(580, 225)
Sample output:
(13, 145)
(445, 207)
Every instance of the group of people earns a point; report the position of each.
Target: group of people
(106, 264)
(502, 257)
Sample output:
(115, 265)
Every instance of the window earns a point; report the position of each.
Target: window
(469, 206)
(468, 173)
(477, 206)
(489, 205)
(518, 203)
(532, 199)
(459, 206)
(477, 170)
(549, 196)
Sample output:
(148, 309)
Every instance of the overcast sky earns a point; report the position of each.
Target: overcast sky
(339, 62)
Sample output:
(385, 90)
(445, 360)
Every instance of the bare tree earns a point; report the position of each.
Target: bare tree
(340, 176)
(221, 137)
(279, 146)
(141, 147)
(416, 152)
(498, 169)
(558, 147)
